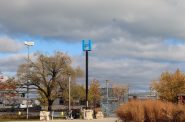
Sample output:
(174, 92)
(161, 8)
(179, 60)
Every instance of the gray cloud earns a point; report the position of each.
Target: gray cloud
(129, 37)
(133, 72)
(78, 19)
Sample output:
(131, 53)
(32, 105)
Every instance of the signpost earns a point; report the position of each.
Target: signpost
(86, 46)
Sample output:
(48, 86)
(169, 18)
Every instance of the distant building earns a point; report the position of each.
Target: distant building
(3, 78)
(143, 96)
(8, 93)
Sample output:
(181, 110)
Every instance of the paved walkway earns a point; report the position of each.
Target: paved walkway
(75, 120)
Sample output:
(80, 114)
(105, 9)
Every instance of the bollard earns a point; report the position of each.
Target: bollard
(19, 113)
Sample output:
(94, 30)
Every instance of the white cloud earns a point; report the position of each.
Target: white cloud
(10, 63)
(9, 45)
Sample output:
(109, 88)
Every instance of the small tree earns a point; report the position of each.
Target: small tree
(49, 75)
(77, 93)
(170, 85)
(94, 93)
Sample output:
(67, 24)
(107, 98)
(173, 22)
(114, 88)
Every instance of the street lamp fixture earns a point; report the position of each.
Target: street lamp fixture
(28, 44)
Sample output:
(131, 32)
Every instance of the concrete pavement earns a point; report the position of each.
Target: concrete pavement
(75, 120)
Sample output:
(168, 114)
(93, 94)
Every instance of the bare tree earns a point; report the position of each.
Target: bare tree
(49, 74)
(119, 91)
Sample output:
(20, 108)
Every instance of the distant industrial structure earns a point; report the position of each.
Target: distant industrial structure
(113, 103)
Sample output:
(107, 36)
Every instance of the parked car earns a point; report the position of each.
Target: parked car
(24, 106)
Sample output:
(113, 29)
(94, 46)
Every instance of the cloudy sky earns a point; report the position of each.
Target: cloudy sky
(133, 40)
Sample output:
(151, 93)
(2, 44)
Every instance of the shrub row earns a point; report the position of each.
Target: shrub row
(16, 117)
(151, 111)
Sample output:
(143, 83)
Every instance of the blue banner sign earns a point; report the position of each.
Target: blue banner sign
(86, 45)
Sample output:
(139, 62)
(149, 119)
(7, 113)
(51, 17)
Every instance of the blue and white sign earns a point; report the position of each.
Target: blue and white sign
(86, 45)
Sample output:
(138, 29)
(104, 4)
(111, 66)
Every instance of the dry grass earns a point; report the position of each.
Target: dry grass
(151, 111)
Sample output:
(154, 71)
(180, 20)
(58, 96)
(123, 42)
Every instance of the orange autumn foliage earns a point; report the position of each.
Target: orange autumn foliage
(151, 111)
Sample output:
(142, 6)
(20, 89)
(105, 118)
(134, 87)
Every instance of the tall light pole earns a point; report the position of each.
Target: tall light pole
(86, 46)
(69, 75)
(28, 44)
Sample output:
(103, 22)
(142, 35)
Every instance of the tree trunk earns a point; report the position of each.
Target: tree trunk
(50, 102)
(94, 107)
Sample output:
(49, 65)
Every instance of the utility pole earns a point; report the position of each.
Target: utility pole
(28, 44)
(107, 82)
(86, 46)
